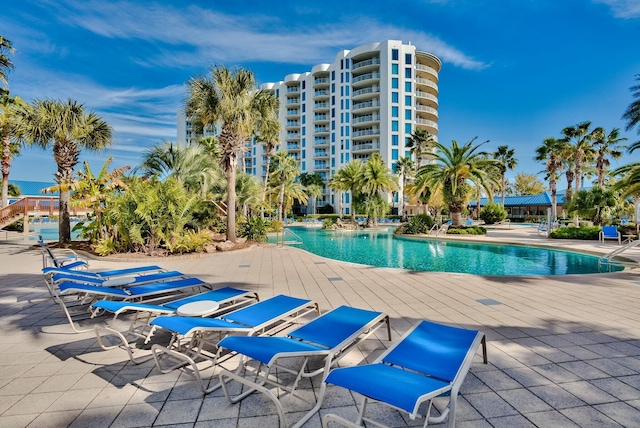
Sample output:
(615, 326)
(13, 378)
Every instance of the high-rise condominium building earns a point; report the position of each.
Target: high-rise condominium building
(368, 100)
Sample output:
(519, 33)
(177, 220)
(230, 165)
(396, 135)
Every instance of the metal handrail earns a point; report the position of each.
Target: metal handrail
(607, 259)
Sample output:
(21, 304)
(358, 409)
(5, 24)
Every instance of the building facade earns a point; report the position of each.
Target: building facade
(368, 100)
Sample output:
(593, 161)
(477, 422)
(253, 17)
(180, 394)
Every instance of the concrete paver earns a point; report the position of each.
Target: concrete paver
(563, 351)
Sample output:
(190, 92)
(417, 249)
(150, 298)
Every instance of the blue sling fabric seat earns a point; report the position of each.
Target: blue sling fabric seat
(104, 274)
(61, 278)
(330, 336)
(226, 298)
(191, 334)
(430, 360)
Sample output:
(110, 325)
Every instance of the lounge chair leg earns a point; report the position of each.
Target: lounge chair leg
(330, 417)
(125, 344)
(484, 349)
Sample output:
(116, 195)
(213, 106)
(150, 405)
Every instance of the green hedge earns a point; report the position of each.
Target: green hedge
(470, 230)
(585, 233)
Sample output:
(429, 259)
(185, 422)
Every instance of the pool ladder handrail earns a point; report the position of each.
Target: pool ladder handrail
(295, 239)
(607, 259)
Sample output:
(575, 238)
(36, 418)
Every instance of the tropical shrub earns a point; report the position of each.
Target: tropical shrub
(585, 233)
(188, 242)
(328, 222)
(254, 228)
(420, 223)
(596, 204)
(493, 213)
(470, 230)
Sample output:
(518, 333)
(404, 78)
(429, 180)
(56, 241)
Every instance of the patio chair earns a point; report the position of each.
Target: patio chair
(226, 299)
(329, 337)
(66, 258)
(191, 335)
(610, 232)
(430, 360)
(104, 274)
(83, 295)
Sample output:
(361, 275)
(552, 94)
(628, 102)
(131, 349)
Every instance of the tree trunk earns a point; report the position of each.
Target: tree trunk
(230, 172)
(503, 190)
(456, 218)
(64, 222)
(554, 208)
(6, 156)
(281, 202)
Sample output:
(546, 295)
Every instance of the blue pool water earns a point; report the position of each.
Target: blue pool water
(48, 232)
(383, 249)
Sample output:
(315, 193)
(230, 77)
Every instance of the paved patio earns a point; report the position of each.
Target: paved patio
(563, 351)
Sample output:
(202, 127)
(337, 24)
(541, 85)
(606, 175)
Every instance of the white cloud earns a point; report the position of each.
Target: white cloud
(218, 37)
(626, 9)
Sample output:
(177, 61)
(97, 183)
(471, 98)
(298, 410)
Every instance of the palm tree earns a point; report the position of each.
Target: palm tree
(67, 127)
(405, 168)
(249, 192)
(421, 143)
(550, 152)
(349, 179)
(12, 110)
(231, 99)
(314, 185)
(376, 179)
(193, 166)
(6, 64)
(454, 169)
(632, 114)
(506, 157)
(284, 170)
(606, 145)
(268, 132)
(580, 139)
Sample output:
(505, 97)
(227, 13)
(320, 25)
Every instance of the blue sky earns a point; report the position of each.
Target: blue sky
(514, 71)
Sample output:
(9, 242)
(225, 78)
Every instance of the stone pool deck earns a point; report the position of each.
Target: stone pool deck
(563, 351)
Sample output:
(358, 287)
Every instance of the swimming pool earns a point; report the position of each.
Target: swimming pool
(49, 232)
(381, 248)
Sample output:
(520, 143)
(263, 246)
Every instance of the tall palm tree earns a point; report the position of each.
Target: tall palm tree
(421, 143)
(6, 47)
(268, 132)
(12, 111)
(67, 127)
(284, 170)
(632, 114)
(349, 179)
(230, 98)
(551, 152)
(314, 184)
(606, 145)
(405, 168)
(376, 179)
(455, 168)
(580, 139)
(249, 192)
(506, 157)
(193, 166)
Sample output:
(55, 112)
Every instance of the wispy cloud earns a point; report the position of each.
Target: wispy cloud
(219, 37)
(626, 9)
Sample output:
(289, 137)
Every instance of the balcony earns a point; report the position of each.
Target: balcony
(365, 132)
(426, 70)
(293, 112)
(374, 145)
(293, 124)
(424, 110)
(321, 106)
(365, 65)
(293, 89)
(321, 81)
(321, 118)
(360, 93)
(321, 93)
(321, 154)
(429, 125)
(365, 78)
(293, 146)
(293, 135)
(293, 101)
(427, 83)
(364, 119)
(321, 130)
(368, 105)
(427, 96)
(321, 165)
(321, 142)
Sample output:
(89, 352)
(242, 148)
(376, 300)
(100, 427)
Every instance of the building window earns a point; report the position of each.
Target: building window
(407, 58)
(394, 167)
(394, 83)
(341, 77)
(304, 108)
(333, 100)
(277, 93)
(304, 84)
(341, 157)
(394, 111)
(304, 142)
(394, 54)
(347, 116)
(347, 91)
(346, 63)
(346, 104)
(341, 91)
(304, 165)
(394, 125)
(407, 100)
(333, 150)
(346, 143)
(407, 86)
(394, 69)
(333, 124)
(407, 114)
(394, 154)
(333, 75)
(347, 131)
(407, 128)
(407, 153)
(394, 140)
(407, 73)
(347, 156)
(341, 104)
(333, 87)
(304, 154)
(333, 112)
(341, 64)
(394, 97)
(346, 198)
(304, 131)
(333, 162)
(347, 77)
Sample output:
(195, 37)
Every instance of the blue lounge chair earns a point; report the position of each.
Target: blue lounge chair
(227, 298)
(119, 281)
(263, 317)
(104, 274)
(610, 232)
(61, 257)
(429, 361)
(330, 336)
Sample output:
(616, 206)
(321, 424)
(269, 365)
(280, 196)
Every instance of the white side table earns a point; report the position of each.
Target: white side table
(200, 308)
(118, 282)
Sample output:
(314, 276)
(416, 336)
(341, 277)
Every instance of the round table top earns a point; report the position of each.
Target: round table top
(200, 308)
